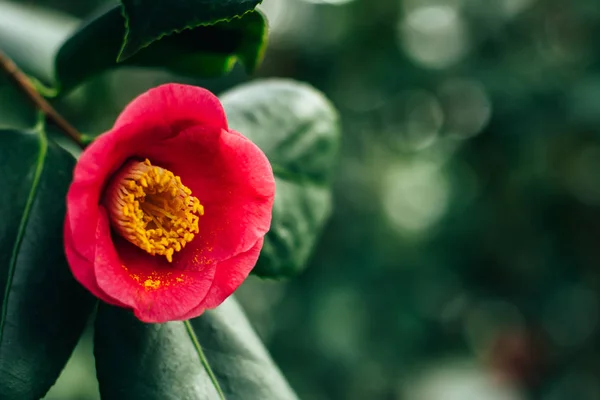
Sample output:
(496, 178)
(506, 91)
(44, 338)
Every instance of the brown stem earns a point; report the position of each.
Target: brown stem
(22, 81)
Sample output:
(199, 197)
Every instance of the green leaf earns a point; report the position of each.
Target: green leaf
(44, 309)
(16, 110)
(298, 130)
(206, 51)
(150, 20)
(215, 354)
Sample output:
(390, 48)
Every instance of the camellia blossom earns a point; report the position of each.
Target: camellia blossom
(167, 211)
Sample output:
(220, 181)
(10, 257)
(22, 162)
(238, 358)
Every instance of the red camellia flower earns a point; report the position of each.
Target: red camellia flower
(167, 211)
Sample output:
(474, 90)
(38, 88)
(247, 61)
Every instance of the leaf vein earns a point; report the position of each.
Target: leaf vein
(203, 359)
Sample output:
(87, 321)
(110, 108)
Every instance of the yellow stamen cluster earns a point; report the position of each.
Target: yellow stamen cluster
(151, 208)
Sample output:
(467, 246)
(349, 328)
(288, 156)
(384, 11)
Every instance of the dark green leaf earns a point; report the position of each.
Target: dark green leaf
(144, 361)
(16, 110)
(165, 361)
(150, 20)
(43, 308)
(237, 357)
(298, 130)
(206, 51)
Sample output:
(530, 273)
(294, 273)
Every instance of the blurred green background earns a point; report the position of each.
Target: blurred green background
(462, 260)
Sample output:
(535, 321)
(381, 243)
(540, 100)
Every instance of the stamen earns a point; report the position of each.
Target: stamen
(151, 208)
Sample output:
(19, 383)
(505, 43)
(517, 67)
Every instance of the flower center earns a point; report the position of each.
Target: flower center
(151, 208)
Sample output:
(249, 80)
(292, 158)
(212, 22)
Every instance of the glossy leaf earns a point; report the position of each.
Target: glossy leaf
(150, 20)
(170, 361)
(16, 110)
(298, 130)
(206, 51)
(43, 309)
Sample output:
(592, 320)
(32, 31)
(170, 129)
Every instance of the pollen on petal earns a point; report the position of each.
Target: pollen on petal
(152, 284)
(150, 207)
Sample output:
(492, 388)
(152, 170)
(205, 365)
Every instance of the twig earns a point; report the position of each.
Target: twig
(22, 81)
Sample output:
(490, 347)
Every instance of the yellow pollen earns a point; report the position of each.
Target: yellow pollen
(151, 208)
(151, 284)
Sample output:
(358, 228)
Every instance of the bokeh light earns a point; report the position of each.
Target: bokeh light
(412, 120)
(415, 195)
(457, 379)
(467, 107)
(434, 36)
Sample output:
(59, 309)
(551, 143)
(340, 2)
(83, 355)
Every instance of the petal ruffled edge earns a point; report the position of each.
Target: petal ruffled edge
(173, 104)
(156, 295)
(231, 274)
(83, 269)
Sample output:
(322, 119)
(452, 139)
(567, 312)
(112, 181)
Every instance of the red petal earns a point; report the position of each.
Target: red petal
(233, 180)
(193, 313)
(151, 118)
(83, 270)
(181, 128)
(172, 106)
(231, 274)
(156, 290)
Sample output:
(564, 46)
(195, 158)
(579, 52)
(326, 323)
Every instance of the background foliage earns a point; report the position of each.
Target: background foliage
(462, 258)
